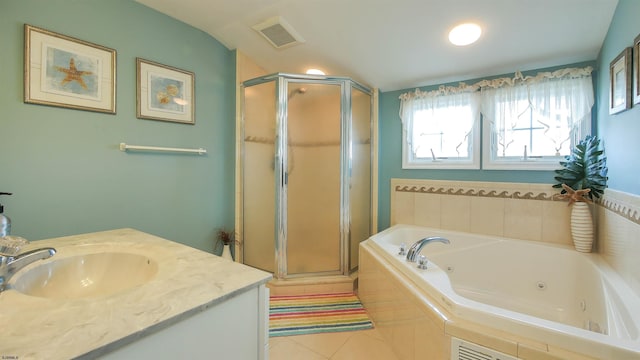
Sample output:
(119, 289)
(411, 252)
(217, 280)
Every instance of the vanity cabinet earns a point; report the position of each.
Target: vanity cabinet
(234, 329)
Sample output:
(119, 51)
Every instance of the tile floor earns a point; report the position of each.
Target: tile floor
(351, 345)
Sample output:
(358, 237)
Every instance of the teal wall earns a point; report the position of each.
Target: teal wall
(64, 166)
(620, 132)
(390, 152)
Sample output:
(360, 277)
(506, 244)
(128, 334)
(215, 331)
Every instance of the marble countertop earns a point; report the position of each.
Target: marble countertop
(188, 281)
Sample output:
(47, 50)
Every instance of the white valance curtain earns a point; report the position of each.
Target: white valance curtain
(548, 94)
(565, 95)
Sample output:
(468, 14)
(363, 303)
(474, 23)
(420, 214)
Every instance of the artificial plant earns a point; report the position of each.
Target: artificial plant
(584, 172)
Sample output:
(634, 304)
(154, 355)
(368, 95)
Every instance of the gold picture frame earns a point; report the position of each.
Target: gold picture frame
(66, 72)
(636, 70)
(620, 82)
(165, 93)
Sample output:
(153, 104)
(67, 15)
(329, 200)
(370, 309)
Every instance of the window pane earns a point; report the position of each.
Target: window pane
(442, 132)
(542, 136)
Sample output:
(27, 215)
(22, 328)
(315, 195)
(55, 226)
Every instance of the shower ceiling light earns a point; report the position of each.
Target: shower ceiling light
(465, 34)
(315, 72)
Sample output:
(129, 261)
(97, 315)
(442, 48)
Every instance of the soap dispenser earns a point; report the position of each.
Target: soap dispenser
(5, 222)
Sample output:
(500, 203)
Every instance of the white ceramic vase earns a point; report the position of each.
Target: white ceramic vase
(226, 252)
(582, 227)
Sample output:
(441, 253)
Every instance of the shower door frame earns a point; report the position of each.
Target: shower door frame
(282, 81)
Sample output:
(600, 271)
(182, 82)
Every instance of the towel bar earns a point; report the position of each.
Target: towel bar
(125, 147)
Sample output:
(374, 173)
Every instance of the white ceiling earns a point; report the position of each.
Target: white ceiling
(400, 44)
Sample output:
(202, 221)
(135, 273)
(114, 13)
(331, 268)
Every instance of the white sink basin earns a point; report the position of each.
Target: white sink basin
(86, 276)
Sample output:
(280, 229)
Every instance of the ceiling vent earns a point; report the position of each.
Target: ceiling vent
(278, 32)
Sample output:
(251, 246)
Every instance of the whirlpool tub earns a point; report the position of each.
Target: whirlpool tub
(533, 295)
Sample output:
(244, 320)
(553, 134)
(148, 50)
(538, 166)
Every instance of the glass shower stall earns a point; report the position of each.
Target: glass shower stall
(305, 174)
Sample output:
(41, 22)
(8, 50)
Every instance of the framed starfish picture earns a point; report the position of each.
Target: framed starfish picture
(67, 72)
(636, 70)
(165, 93)
(620, 82)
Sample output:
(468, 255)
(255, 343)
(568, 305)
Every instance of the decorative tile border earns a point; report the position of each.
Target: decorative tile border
(529, 195)
(622, 204)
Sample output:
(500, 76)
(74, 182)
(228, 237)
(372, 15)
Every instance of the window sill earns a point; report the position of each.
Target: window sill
(440, 165)
(533, 164)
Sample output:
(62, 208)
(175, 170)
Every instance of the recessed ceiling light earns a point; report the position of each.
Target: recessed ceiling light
(315, 72)
(465, 34)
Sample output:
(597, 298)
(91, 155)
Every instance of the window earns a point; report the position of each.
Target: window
(440, 130)
(533, 126)
(529, 123)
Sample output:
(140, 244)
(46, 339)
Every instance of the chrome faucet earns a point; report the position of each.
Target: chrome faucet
(9, 264)
(415, 249)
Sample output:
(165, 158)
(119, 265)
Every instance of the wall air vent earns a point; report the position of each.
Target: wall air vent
(462, 350)
(278, 32)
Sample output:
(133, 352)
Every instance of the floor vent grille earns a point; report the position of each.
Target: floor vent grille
(462, 350)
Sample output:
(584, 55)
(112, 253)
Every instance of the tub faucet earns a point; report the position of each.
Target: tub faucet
(415, 249)
(9, 264)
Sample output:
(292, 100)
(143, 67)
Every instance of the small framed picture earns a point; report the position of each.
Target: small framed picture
(165, 93)
(636, 70)
(620, 82)
(63, 71)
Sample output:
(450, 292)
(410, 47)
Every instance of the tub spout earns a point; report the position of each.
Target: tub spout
(415, 249)
(9, 265)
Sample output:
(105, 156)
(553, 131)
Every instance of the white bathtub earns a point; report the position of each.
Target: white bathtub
(547, 293)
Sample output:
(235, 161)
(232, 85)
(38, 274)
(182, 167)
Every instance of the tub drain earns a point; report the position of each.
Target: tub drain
(541, 285)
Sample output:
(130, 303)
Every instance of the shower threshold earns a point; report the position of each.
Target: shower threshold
(314, 285)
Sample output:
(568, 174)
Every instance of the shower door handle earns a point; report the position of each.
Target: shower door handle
(285, 178)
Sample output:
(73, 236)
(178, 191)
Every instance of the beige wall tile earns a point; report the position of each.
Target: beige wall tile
(523, 219)
(616, 244)
(556, 222)
(399, 316)
(431, 342)
(455, 213)
(404, 322)
(526, 352)
(403, 209)
(427, 210)
(620, 244)
(487, 216)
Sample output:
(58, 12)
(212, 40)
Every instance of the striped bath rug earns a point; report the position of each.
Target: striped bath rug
(312, 314)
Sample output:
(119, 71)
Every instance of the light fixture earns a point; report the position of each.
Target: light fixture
(465, 34)
(315, 72)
